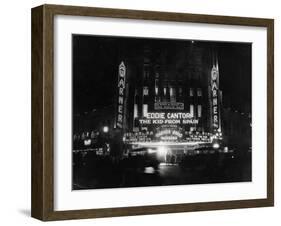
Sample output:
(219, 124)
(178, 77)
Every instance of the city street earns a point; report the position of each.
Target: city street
(103, 172)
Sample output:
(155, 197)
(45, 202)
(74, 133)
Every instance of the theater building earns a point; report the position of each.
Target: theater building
(172, 99)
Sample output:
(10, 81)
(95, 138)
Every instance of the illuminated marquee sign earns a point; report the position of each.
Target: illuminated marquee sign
(169, 134)
(169, 105)
(121, 95)
(168, 118)
(214, 95)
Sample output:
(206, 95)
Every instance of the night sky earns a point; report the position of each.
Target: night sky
(96, 60)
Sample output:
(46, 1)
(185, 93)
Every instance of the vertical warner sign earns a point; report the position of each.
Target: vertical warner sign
(121, 95)
(215, 97)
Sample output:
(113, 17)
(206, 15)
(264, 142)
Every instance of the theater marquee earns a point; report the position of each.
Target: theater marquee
(170, 118)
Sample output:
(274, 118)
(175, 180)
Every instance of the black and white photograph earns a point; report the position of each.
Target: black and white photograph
(159, 112)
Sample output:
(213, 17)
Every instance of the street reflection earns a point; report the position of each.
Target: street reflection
(97, 171)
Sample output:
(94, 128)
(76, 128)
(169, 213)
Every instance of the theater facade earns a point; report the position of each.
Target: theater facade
(169, 99)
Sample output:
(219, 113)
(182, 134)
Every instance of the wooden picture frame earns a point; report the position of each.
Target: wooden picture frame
(43, 107)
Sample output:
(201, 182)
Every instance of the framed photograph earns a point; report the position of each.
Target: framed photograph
(141, 112)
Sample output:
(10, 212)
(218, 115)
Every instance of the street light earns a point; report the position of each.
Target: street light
(216, 145)
(105, 129)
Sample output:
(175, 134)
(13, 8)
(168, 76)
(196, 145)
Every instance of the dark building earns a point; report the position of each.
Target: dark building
(170, 95)
(237, 129)
(91, 129)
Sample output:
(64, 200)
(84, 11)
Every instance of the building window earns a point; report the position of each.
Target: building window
(173, 94)
(156, 90)
(171, 91)
(136, 111)
(156, 87)
(157, 99)
(146, 73)
(199, 92)
(199, 111)
(144, 109)
(180, 91)
(165, 91)
(156, 74)
(192, 110)
(191, 92)
(145, 91)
